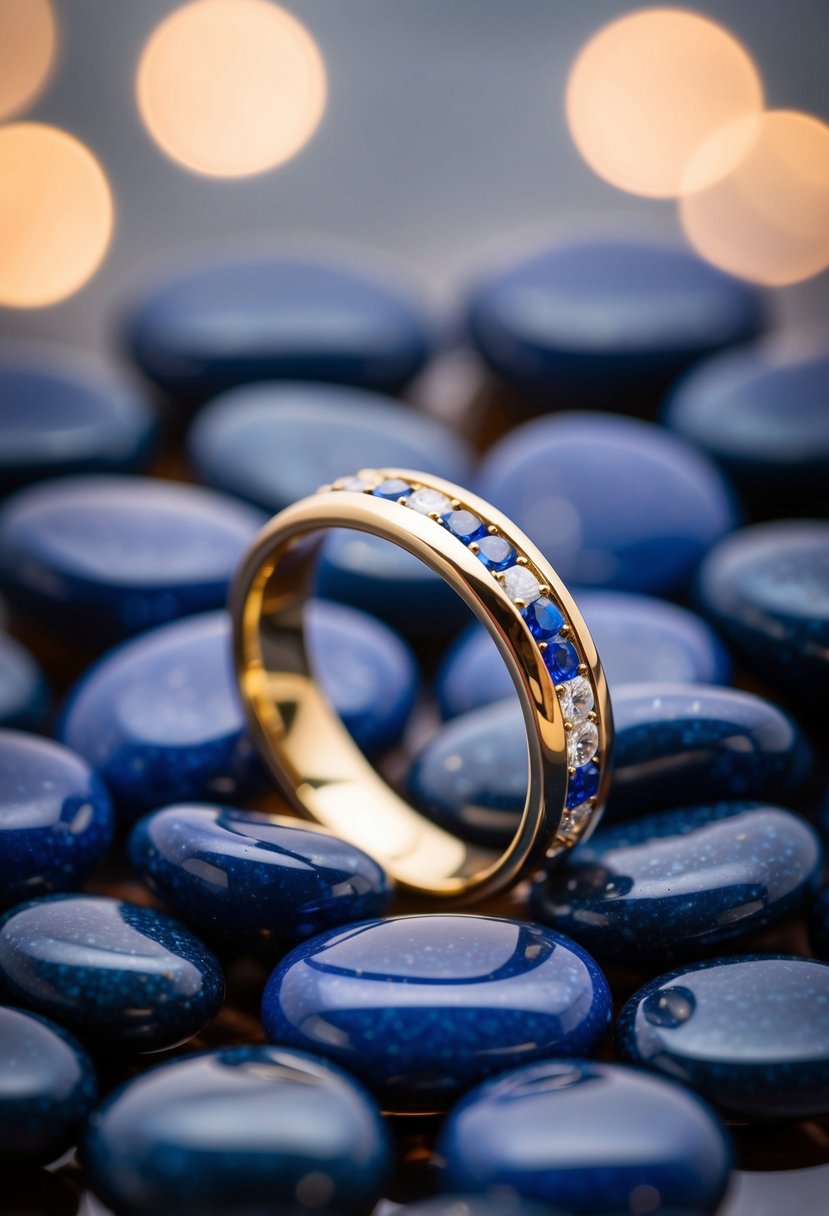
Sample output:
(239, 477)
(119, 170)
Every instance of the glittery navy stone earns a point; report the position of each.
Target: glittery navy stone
(392, 488)
(250, 883)
(819, 924)
(63, 412)
(582, 785)
(47, 1089)
(607, 323)
(749, 1033)
(104, 557)
(244, 1129)
(275, 443)
(56, 818)
(629, 506)
(121, 977)
(495, 552)
(680, 884)
(586, 1137)
(24, 694)
(767, 590)
(278, 317)
(465, 526)
(476, 1205)
(422, 1007)
(544, 619)
(561, 660)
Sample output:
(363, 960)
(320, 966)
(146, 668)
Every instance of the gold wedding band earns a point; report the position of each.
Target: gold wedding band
(542, 638)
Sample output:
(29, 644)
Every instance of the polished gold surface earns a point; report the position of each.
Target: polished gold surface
(313, 758)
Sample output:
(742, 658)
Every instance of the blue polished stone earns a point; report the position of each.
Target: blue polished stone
(819, 924)
(544, 619)
(63, 412)
(679, 884)
(767, 590)
(561, 660)
(104, 557)
(24, 693)
(582, 785)
(607, 322)
(422, 1007)
(240, 1130)
(496, 553)
(393, 489)
(278, 317)
(749, 1033)
(465, 526)
(56, 819)
(47, 1089)
(120, 976)
(760, 411)
(477, 1205)
(251, 883)
(591, 1138)
(274, 443)
(611, 502)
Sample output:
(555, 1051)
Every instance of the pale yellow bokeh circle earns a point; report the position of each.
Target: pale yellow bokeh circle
(28, 43)
(56, 215)
(647, 90)
(231, 87)
(768, 219)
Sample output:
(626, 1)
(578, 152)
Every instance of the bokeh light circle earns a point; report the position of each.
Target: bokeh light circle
(28, 45)
(56, 215)
(648, 89)
(229, 88)
(767, 219)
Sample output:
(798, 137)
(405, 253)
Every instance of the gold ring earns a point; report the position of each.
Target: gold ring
(542, 638)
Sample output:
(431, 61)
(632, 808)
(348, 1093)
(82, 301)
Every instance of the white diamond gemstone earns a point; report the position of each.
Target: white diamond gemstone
(428, 502)
(577, 699)
(357, 483)
(583, 743)
(575, 818)
(521, 584)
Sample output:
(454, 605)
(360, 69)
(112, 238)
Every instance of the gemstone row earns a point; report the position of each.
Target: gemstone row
(542, 615)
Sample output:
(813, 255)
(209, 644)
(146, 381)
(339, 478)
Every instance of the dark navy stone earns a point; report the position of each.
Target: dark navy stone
(767, 590)
(749, 1033)
(544, 619)
(422, 1007)
(243, 1129)
(47, 1089)
(24, 693)
(587, 1137)
(819, 925)
(760, 412)
(252, 883)
(680, 884)
(607, 322)
(56, 819)
(104, 557)
(611, 502)
(561, 660)
(274, 443)
(121, 977)
(278, 317)
(583, 784)
(63, 412)
(477, 1205)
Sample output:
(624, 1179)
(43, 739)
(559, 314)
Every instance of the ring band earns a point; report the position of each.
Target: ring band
(542, 638)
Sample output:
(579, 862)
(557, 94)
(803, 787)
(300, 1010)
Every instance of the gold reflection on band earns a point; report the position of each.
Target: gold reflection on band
(230, 88)
(28, 43)
(56, 215)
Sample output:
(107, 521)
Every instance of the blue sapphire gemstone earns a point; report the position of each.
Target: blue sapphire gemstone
(392, 488)
(422, 1007)
(47, 1089)
(236, 1130)
(750, 1033)
(119, 976)
(561, 660)
(680, 884)
(496, 553)
(618, 1132)
(56, 819)
(24, 693)
(819, 925)
(465, 526)
(544, 619)
(583, 784)
(251, 883)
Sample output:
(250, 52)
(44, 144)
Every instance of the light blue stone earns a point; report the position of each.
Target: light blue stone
(392, 488)
(465, 526)
(496, 553)
(24, 693)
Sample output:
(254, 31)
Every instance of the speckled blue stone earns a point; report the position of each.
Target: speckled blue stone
(750, 1033)
(679, 884)
(47, 1089)
(274, 443)
(607, 322)
(24, 693)
(588, 1137)
(104, 557)
(278, 316)
(121, 977)
(767, 590)
(251, 883)
(56, 818)
(240, 1130)
(64, 412)
(422, 1007)
(612, 502)
(819, 925)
